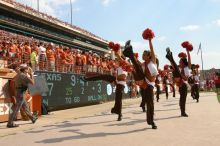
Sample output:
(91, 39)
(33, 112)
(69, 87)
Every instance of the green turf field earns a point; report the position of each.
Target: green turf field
(218, 96)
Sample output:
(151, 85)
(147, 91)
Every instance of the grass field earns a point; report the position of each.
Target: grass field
(218, 96)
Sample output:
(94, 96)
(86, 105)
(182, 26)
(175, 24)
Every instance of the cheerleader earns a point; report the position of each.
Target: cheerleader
(145, 76)
(181, 75)
(195, 85)
(119, 80)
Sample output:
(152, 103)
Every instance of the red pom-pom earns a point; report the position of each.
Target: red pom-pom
(148, 34)
(136, 55)
(166, 67)
(111, 45)
(189, 47)
(182, 55)
(197, 66)
(116, 47)
(185, 44)
(163, 73)
(128, 68)
(159, 71)
(122, 63)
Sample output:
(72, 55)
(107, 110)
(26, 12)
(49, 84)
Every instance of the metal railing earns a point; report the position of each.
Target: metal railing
(55, 66)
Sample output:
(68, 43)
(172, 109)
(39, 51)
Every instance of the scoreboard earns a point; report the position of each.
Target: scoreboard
(68, 90)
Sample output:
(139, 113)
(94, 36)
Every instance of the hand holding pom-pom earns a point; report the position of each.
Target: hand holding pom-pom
(116, 47)
(166, 67)
(111, 45)
(136, 55)
(190, 47)
(160, 72)
(163, 73)
(197, 66)
(148, 34)
(182, 55)
(187, 45)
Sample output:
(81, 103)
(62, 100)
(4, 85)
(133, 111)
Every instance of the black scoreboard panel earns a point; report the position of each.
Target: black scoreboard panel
(68, 90)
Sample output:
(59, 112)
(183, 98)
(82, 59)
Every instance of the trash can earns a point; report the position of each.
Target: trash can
(36, 104)
(36, 91)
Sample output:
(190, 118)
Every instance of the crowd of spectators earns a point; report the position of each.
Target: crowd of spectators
(46, 56)
(52, 19)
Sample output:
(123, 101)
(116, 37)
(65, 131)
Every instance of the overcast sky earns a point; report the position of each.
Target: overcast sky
(173, 22)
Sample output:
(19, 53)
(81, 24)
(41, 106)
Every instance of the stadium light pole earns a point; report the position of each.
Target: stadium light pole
(38, 8)
(71, 12)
